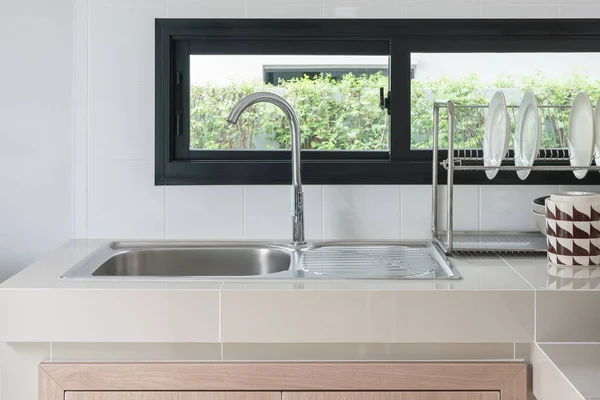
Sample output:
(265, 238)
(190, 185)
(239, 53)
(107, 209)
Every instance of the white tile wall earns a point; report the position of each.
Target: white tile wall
(121, 40)
(81, 113)
(36, 130)
(584, 188)
(267, 212)
(362, 8)
(440, 11)
(415, 211)
(123, 201)
(509, 208)
(205, 212)
(283, 9)
(579, 10)
(494, 9)
(361, 212)
(205, 9)
(93, 70)
(121, 127)
(416, 206)
(466, 208)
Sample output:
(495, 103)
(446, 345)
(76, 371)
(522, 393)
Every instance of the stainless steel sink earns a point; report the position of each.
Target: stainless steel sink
(167, 260)
(183, 259)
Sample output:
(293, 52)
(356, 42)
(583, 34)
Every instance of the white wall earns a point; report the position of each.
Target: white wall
(112, 108)
(36, 130)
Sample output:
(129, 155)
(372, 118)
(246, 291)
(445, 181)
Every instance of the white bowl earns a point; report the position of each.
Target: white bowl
(540, 222)
(539, 205)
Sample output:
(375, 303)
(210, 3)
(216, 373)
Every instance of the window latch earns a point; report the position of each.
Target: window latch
(384, 102)
(179, 104)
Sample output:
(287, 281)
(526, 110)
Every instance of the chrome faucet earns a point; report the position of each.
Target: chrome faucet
(297, 194)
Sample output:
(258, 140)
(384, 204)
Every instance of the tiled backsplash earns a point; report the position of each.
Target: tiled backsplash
(103, 110)
(331, 211)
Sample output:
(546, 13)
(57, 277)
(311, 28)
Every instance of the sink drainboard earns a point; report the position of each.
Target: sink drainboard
(376, 261)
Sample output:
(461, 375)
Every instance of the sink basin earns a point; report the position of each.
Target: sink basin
(149, 259)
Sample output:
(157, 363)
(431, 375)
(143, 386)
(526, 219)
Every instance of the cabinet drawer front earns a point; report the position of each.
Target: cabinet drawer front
(391, 396)
(173, 396)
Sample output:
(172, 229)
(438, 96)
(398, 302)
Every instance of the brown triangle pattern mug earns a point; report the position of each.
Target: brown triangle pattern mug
(573, 229)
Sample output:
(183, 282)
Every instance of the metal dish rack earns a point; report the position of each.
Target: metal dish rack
(464, 154)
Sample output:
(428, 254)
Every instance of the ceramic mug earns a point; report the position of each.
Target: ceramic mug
(573, 252)
(573, 247)
(561, 211)
(573, 229)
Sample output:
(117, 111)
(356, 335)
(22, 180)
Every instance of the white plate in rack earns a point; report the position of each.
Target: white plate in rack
(528, 134)
(581, 139)
(496, 135)
(597, 131)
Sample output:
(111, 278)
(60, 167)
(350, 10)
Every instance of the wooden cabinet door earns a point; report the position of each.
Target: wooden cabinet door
(391, 396)
(172, 395)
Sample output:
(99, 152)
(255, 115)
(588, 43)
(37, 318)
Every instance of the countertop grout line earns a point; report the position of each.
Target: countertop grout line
(534, 299)
(517, 272)
(220, 316)
(534, 314)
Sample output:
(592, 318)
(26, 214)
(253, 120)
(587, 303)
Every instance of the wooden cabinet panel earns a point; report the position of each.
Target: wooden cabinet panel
(297, 381)
(391, 396)
(173, 396)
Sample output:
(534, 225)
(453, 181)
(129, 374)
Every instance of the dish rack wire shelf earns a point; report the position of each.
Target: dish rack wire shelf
(465, 126)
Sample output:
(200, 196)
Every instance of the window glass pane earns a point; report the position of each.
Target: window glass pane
(473, 78)
(336, 99)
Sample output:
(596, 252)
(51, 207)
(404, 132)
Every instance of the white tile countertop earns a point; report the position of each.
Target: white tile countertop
(503, 304)
(478, 273)
(510, 299)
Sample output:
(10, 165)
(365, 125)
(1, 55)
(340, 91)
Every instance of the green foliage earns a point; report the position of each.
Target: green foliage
(345, 114)
(470, 90)
(209, 107)
(467, 90)
(333, 115)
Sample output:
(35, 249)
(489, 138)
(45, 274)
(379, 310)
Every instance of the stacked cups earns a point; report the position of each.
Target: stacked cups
(573, 228)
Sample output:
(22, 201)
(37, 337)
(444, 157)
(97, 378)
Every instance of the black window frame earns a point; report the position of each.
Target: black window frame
(176, 39)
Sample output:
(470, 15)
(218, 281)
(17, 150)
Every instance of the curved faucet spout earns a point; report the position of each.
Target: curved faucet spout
(297, 194)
